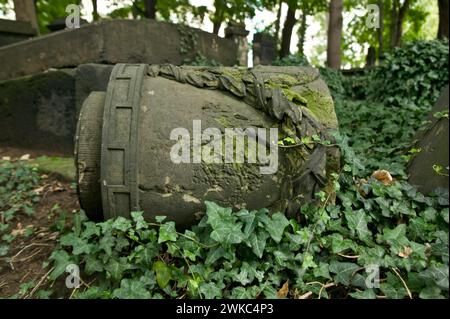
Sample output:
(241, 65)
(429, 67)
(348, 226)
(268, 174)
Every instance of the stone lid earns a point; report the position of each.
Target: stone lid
(16, 27)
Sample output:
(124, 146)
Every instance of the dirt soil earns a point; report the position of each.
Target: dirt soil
(25, 258)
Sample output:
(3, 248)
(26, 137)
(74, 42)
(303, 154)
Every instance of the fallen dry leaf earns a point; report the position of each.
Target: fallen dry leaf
(25, 157)
(18, 231)
(6, 158)
(39, 190)
(383, 176)
(57, 187)
(282, 293)
(406, 252)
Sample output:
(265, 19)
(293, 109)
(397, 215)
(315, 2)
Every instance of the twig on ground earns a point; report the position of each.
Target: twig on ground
(43, 278)
(309, 293)
(403, 282)
(12, 260)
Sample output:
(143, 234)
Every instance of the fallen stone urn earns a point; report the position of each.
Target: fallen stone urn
(163, 139)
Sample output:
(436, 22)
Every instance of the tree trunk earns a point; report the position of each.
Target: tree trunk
(380, 31)
(218, 15)
(95, 15)
(278, 21)
(398, 16)
(287, 30)
(334, 35)
(302, 33)
(216, 27)
(150, 9)
(443, 19)
(26, 11)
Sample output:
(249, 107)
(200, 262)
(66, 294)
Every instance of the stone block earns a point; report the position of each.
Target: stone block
(115, 41)
(434, 150)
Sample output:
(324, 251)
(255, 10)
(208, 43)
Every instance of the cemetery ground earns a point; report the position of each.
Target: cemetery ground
(378, 238)
(35, 230)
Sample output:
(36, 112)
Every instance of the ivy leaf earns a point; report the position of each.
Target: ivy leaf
(115, 268)
(4, 250)
(344, 271)
(61, 259)
(242, 293)
(357, 222)
(163, 273)
(226, 228)
(131, 289)
(436, 275)
(106, 243)
(122, 224)
(275, 226)
(167, 232)
(431, 293)
(139, 220)
(92, 264)
(322, 270)
(211, 290)
(364, 294)
(257, 242)
(396, 235)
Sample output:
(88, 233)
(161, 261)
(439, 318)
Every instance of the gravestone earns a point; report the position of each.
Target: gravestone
(38, 111)
(264, 49)
(237, 33)
(433, 143)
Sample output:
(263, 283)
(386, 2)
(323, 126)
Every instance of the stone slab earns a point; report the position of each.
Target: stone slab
(434, 151)
(38, 112)
(111, 42)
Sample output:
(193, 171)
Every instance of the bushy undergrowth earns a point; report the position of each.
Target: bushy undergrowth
(411, 76)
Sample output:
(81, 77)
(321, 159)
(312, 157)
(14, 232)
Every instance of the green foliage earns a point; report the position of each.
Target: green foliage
(297, 60)
(250, 254)
(334, 80)
(17, 181)
(412, 76)
(48, 11)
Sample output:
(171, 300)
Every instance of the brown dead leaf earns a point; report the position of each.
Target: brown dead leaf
(406, 252)
(282, 293)
(39, 190)
(18, 231)
(25, 157)
(383, 176)
(57, 187)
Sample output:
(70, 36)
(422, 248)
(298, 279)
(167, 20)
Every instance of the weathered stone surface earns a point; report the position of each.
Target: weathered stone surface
(131, 41)
(89, 78)
(15, 31)
(38, 111)
(434, 150)
(143, 104)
